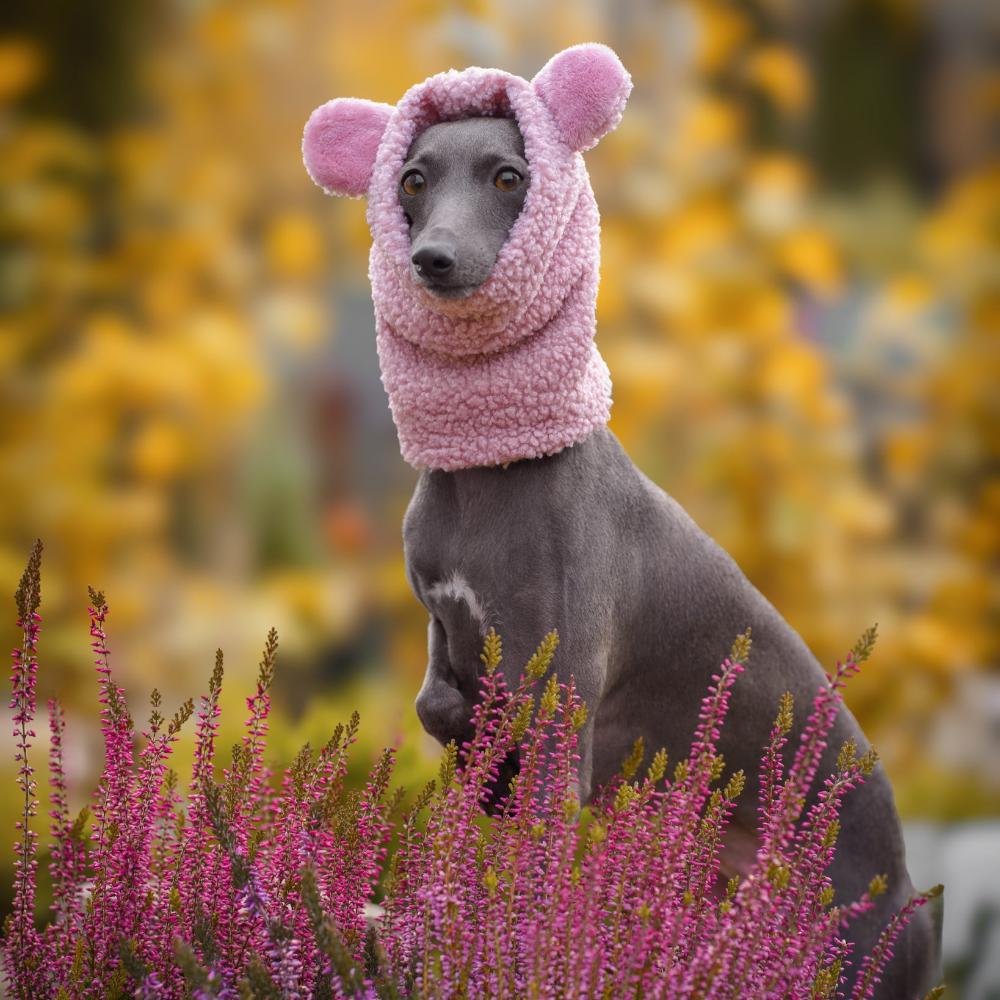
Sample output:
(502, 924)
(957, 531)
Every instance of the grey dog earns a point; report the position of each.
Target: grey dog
(646, 604)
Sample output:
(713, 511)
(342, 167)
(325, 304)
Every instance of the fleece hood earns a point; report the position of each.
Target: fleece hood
(511, 371)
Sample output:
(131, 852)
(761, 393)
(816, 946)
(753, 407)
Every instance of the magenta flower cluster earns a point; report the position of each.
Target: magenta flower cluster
(264, 885)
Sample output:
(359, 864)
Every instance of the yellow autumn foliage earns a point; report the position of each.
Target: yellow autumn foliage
(191, 418)
(781, 74)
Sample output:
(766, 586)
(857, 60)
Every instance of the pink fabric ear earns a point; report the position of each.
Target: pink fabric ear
(585, 88)
(340, 141)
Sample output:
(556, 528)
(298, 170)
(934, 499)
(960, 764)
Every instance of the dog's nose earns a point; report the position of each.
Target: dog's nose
(434, 260)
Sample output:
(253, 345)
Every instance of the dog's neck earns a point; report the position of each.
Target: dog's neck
(549, 389)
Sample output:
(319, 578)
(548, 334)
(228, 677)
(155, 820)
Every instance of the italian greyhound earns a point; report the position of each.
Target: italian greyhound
(645, 602)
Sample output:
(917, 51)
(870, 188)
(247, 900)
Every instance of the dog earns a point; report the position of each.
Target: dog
(559, 530)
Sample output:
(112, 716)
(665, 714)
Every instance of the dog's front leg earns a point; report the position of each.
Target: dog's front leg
(442, 707)
(584, 664)
(451, 684)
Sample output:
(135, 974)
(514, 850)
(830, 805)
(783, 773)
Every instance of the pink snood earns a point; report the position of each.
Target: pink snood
(512, 371)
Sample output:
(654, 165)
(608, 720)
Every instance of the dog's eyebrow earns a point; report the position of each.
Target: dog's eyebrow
(421, 159)
(491, 157)
(429, 159)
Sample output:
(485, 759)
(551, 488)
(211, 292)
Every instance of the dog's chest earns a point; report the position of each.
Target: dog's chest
(500, 525)
(432, 531)
(452, 552)
(439, 534)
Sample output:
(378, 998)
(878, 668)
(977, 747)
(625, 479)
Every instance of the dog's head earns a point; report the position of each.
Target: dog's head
(495, 245)
(471, 178)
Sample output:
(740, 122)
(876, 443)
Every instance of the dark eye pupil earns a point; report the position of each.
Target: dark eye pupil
(413, 182)
(507, 179)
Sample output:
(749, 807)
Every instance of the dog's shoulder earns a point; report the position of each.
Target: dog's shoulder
(584, 506)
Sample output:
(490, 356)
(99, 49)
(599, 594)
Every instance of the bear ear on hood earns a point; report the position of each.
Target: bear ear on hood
(585, 88)
(340, 141)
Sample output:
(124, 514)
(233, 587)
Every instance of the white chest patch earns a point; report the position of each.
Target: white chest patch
(456, 588)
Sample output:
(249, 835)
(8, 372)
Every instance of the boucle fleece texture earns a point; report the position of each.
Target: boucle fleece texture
(512, 371)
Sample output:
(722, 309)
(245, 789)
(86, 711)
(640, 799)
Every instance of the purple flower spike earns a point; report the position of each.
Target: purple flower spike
(265, 884)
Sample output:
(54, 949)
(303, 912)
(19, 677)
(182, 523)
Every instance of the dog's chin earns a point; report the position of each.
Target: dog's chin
(449, 293)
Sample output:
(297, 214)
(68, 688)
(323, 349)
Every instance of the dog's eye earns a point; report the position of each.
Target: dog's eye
(507, 179)
(414, 182)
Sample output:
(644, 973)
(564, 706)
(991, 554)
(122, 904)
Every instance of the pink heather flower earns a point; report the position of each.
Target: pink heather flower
(258, 884)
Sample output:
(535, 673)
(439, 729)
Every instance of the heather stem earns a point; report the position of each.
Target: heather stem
(25, 968)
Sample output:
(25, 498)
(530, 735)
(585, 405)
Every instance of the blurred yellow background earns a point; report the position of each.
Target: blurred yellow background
(799, 232)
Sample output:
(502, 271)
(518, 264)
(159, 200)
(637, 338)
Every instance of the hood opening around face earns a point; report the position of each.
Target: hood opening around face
(451, 96)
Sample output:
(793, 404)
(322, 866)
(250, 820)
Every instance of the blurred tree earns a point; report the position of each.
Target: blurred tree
(92, 53)
(871, 109)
